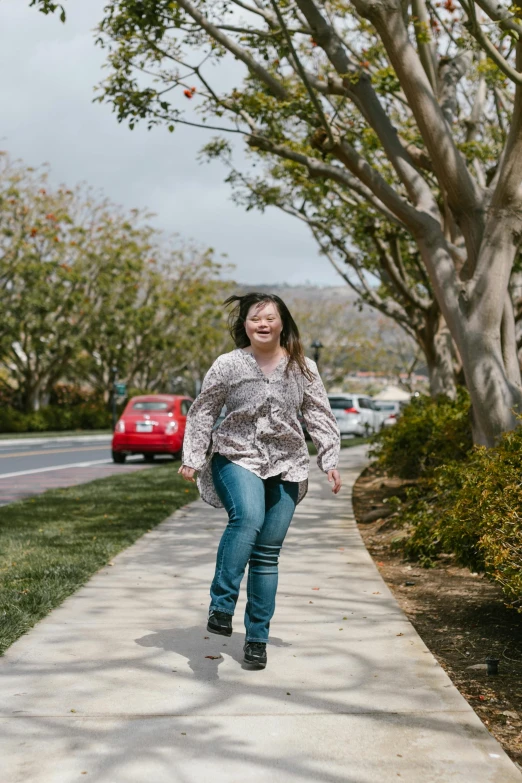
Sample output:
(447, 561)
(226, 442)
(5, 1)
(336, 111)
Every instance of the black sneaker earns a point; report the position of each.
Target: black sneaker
(255, 654)
(220, 622)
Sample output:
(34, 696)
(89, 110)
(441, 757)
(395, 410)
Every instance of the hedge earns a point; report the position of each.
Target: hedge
(86, 416)
(468, 500)
(429, 433)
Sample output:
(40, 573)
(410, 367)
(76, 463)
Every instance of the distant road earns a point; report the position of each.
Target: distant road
(30, 468)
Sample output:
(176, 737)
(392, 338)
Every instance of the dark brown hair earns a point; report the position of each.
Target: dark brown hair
(290, 339)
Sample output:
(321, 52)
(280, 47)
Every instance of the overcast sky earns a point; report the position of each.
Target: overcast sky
(46, 90)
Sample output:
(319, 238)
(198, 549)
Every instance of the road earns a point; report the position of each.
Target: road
(30, 468)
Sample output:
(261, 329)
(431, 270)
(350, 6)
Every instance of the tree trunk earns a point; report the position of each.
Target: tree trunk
(45, 398)
(494, 398)
(515, 290)
(482, 327)
(485, 335)
(435, 341)
(509, 343)
(32, 397)
(440, 356)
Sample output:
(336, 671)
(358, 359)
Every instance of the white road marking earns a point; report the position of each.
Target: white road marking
(49, 451)
(56, 467)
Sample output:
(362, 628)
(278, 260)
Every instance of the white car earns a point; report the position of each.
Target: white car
(356, 414)
(389, 410)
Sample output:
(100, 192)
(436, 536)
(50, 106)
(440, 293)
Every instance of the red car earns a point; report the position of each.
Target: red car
(149, 425)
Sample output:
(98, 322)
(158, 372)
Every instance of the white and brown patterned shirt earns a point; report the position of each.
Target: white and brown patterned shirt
(261, 430)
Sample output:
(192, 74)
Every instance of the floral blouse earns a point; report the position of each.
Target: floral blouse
(261, 429)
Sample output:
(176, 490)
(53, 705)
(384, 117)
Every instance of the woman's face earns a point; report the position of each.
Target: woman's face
(263, 325)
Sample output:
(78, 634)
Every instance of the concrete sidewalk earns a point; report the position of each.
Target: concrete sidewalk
(122, 684)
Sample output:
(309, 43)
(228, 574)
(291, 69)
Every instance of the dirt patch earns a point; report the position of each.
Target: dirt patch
(460, 616)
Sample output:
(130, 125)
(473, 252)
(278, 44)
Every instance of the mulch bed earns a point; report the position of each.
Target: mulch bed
(460, 616)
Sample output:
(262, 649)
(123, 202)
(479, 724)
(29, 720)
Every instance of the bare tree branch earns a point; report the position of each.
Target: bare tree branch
(323, 170)
(451, 72)
(449, 164)
(498, 13)
(261, 33)
(228, 43)
(414, 219)
(421, 23)
(388, 306)
(398, 282)
(359, 87)
(301, 71)
(475, 29)
(475, 122)
(253, 10)
(509, 188)
(417, 155)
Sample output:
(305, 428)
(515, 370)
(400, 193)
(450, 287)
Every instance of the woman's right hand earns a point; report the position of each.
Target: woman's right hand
(187, 473)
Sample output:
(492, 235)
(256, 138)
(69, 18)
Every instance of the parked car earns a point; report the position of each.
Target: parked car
(149, 425)
(356, 414)
(390, 411)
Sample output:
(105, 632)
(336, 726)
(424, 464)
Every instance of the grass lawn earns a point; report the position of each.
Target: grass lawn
(61, 434)
(50, 545)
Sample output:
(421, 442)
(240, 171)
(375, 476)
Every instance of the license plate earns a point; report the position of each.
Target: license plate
(143, 426)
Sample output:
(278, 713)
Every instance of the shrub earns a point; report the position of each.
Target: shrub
(429, 433)
(473, 508)
(85, 416)
(12, 420)
(468, 500)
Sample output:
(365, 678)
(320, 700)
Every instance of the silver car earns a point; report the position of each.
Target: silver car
(389, 410)
(356, 414)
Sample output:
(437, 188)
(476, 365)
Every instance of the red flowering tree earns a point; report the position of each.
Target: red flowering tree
(86, 287)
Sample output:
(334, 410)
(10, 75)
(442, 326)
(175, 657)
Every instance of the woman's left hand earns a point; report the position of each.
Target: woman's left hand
(187, 473)
(335, 476)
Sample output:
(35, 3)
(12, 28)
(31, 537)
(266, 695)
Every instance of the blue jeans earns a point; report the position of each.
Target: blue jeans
(259, 515)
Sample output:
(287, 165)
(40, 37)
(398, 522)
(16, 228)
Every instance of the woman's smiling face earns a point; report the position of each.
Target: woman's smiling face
(263, 325)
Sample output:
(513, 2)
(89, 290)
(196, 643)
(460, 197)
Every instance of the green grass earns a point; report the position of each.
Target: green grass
(346, 443)
(62, 434)
(50, 545)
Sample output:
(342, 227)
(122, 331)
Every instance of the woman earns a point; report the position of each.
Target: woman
(256, 463)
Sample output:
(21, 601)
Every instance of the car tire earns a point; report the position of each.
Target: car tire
(149, 457)
(118, 457)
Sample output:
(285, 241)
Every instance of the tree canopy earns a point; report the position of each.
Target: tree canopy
(48, 7)
(87, 287)
(410, 111)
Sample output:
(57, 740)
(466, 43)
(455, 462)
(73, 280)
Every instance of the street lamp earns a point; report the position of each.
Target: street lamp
(316, 346)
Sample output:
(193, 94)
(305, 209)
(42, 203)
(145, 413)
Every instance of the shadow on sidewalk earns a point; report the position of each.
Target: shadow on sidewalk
(188, 642)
